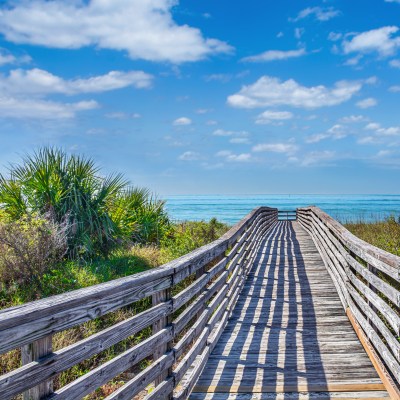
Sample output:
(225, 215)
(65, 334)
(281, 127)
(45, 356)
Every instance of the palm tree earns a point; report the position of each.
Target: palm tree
(67, 188)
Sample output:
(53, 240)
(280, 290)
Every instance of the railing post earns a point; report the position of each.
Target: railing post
(157, 298)
(32, 352)
(374, 271)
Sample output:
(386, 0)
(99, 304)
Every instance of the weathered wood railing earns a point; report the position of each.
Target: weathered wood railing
(287, 215)
(368, 282)
(185, 325)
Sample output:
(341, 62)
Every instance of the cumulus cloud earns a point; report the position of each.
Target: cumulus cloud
(39, 82)
(270, 91)
(239, 140)
(268, 117)
(223, 132)
(182, 121)
(381, 132)
(229, 156)
(367, 103)
(321, 14)
(394, 89)
(42, 109)
(273, 55)
(317, 157)
(335, 132)
(122, 115)
(287, 148)
(189, 156)
(383, 41)
(144, 29)
(6, 58)
(352, 119)
(394, 63)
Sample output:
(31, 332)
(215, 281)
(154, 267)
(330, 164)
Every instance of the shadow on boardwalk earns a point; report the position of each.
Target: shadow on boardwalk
(271, 341)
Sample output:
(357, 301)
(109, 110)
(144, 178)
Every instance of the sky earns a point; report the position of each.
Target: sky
(208, 97)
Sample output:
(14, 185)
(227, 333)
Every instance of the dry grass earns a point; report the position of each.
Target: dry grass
(383, 234)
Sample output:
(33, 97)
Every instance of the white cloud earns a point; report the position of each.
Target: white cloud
(379, 40)
(352, 119)
(202, 111)
(41, 109)
(270, 91)
(6, 58)
(317, 157)
(372, 126)
(321, 14)
(182, 121)
(39, 82)
(335, 132)
(122, 115)
(334, 36)
(395, 89)
(144, 29)
(239, 140)
(287, 148)
(298, 33)
(223, 132)
(211, 122)
(232, 157)
(189, 156)
(367, 103)
(380, 131)
(394, 63)
(273, 55)
(269, 116)
(392, 1)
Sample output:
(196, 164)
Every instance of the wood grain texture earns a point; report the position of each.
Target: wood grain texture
(281, 335)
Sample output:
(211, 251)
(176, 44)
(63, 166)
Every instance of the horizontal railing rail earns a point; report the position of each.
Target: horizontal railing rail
(191, 300)
(287, 215)
(368, 283)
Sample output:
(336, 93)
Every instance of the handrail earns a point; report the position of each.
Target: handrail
(368, 282)
(185, 325)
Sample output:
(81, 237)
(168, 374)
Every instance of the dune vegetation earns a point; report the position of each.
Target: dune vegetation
(383, 234)
(65, 226)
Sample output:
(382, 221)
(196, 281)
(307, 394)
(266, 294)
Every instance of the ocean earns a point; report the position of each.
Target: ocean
(232, 208)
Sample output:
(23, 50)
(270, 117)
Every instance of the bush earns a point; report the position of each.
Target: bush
(29, 247)
(64, 187)
(189, 235)
(139, 216)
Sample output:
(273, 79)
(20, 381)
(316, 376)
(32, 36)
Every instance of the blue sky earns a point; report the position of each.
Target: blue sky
(207, 97)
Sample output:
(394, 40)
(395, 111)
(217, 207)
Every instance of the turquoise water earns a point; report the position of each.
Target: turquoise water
(231, 209)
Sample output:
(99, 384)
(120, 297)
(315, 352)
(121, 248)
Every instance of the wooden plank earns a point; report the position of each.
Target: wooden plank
(161, 297)
(384, 261)
(370, 395)
(387, 380)
(105, 372)
(144, 378)
(162, 391)
(26, 323)
(283, 388)
(384, 352)
(33, 352)
(52, 365)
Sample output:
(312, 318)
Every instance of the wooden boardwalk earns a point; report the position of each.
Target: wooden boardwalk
(288, 336)
(272, 309)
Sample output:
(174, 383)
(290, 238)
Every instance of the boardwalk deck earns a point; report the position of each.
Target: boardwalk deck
(288, 336)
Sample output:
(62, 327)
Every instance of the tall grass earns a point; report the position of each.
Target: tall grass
(383, 234)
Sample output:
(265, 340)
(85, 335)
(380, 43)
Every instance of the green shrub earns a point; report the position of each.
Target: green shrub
(67, 188)
(29, 247)
(187, 236)
(139, 216)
